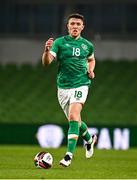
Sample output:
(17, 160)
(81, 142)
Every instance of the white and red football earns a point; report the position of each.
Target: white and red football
(43, 160)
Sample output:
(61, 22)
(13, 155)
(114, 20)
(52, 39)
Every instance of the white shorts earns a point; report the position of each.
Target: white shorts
(69, 96)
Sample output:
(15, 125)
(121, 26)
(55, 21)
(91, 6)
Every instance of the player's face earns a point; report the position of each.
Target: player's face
(75, 26)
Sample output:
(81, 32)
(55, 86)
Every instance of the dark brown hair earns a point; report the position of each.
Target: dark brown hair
(75, 15)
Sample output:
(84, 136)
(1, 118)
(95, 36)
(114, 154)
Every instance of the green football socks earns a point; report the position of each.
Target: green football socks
(84, 132)
(73, 134)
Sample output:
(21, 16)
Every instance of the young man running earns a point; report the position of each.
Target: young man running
(75, 56)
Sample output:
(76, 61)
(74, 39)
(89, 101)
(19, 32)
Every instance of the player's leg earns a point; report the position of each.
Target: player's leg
(90, 140)
(77, 98)
(73, 132)
(84, 133)
(64, 99)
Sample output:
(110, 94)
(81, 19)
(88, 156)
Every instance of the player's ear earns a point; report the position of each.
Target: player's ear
(83, 27)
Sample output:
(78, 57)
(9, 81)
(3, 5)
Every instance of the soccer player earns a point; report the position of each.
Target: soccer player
(76, 63)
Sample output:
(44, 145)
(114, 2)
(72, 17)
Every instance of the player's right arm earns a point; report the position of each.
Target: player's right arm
(47, 57)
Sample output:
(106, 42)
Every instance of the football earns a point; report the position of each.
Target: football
(43, 160)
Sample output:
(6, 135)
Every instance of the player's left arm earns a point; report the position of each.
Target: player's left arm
(91, 66)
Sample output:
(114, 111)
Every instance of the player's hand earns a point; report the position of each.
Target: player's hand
(48, 44)
(91, 74)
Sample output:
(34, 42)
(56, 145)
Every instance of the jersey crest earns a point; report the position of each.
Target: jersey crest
(84, 46)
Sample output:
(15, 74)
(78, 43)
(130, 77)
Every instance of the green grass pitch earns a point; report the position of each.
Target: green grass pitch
(16, 162)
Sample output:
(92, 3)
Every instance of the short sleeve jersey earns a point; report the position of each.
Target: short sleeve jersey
(72, 55)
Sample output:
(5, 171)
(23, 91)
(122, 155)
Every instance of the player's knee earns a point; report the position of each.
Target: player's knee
(73, 116)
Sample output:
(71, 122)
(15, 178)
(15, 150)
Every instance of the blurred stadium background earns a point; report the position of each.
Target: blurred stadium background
(28, 90)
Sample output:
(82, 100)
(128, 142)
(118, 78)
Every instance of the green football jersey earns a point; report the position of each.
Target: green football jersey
(72, 55)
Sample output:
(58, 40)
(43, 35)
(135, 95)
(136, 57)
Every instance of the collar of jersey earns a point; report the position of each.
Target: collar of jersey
(71, 38)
